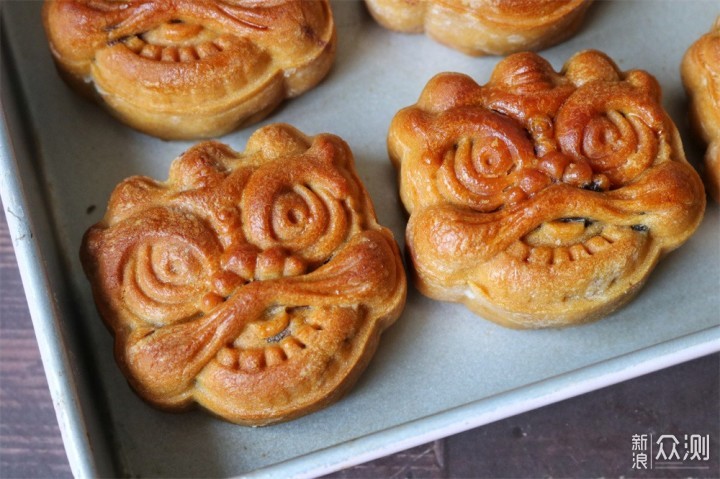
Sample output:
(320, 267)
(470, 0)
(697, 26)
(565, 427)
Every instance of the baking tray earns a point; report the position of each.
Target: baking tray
(438, 371)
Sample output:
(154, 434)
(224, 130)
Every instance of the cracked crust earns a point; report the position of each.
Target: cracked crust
(542, 199)
(184, 69)
(255, 284)
(484, 27)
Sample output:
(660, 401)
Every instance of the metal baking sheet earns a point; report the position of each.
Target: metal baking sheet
(439, 370)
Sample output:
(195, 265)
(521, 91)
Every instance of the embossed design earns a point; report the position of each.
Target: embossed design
(182, 69)
(255, 284)
(542, 198)
(482, 27)
(701, 75)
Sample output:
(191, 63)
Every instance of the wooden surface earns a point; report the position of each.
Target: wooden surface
(588, 436)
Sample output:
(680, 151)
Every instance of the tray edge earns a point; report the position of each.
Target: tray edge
(86, 459)
(493, 408)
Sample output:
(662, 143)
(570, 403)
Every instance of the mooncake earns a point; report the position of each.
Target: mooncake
(481, 27)
(701, 76)
(185, 69)
(542, 199)
(255, 284)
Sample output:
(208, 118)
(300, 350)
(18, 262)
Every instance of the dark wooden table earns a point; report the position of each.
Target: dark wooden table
(588, 436)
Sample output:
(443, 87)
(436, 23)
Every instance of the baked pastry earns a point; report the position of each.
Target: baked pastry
(701, 75)
(542, 199)
(254, 284)
(183, 69)
(481, 27)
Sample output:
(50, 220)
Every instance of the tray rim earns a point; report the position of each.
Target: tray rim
(43, 307)
(500, 406)
(63, 381)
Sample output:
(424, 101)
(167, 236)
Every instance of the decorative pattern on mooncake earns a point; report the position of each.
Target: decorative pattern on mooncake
(701, 76)
(254, 284)
(482, 27)
(542, 199)
(183, 69)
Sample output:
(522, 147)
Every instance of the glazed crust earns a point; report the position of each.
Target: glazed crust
(701, 75)
(254, 284)
(184, 69)
(486, 26)
(542, 199)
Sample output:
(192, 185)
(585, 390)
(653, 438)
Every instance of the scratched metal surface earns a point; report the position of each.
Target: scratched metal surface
(452, 371)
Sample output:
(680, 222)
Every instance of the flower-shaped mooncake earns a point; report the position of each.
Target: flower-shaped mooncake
(701, 76)
(182, 69)
(254, 284)
(481, 27)
(542, 199)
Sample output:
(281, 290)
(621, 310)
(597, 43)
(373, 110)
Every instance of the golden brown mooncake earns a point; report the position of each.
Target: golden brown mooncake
(542, 199)
(482, 27)
(701, 75)
(184, 69)
(255, 284)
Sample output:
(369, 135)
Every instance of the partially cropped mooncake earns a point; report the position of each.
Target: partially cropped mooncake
(542, 199)
(701, 76)
(482, 27)
(185, 69)
(255, 284)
